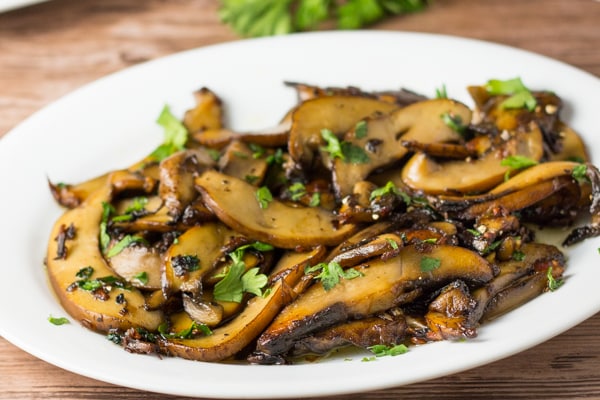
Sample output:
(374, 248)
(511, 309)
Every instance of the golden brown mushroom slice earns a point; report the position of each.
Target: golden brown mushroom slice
(235, 203)
(338, 114)
(535, 174)
(467, 176)
(380, 141)
(194, 255)
(240, 161)
(229, 339)
(207, 114)
(382, 284)
(97, 306)
(571, 144)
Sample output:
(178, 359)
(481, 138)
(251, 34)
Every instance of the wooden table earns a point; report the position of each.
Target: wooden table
(49, 49)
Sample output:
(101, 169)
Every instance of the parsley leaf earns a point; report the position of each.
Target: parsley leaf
(194, 329)
(236, 282)
(429, 264)
(331, 273)
(453, 122)
(315, 199)
(354, 154)
(58, 320)
(553, 283)
(516, 162)
(175, 135)
(264, 196)
(141, 277)
(123, 243)
(360, 129)
(579, 173)
(520, 96)
(334, 147)
(441, 93)
(297, 190)
(381, 350)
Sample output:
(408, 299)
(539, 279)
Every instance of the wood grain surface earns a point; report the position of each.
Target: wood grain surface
(52, 48)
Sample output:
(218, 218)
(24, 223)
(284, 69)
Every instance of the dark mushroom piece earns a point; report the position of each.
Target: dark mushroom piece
(382, 284)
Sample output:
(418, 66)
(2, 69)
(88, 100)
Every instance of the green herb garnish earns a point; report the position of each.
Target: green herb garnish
(127, 241)
(381, 350)
(553, 283)
(579, 173)
(429, 264)
(237, 280)
(252, 18)
(58, 320)
(515, 163)
(441, 93)
(360, 129)
(175, 135)
(454, 122)
(264, 196)
(520, 96)
(334, 147)
(141, 277)
(331, 273)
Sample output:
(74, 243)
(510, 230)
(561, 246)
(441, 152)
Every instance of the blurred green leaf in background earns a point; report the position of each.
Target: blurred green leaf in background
(252, 18)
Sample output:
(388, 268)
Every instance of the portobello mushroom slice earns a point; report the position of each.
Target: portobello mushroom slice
(402, 97)
(468, 176)
(239, 161)
(381, 142)
(104, 306)
(338, 114)
(533, 257)
(235, 203)
(389, 329)
(572, 147)
(448, 314)
(230, 338)
(193, 256)
(70, 196)
(177, 174)
(207, 114)
(382, 284)
(140, 265)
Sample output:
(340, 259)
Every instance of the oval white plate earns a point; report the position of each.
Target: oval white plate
(110, 123)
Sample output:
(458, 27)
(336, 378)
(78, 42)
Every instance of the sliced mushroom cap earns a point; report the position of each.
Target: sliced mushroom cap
(239, 161)
(426, 174)
(572, 147)
(84, 250)
(234, 202)
(139, 265)
(382, 140)
(207, 114)
(339, 114)
(193, 256)
(177, 174)
(383, 284)
(229, 339)
(203, 311)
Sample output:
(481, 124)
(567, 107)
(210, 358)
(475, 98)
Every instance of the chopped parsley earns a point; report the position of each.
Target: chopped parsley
(331, 273)
(454, 122)
(520, 96)
(440, 93)
(354, 154)
(237, 281)
(381, 350)
(58, 320)
(297, 190)
(429, 264)
(334, 147)
(85, 272)
(275, 158)
(579, 173)
(194, 329)
(141, 277)
(175, 135)
(392, 243)
(515, 163)
(553, 283)
(264, 197)
(122, 244)
(360, 129)
(315, 199)
(518, 255)
(257, 150)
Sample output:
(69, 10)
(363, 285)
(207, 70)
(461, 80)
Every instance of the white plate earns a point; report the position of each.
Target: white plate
(110, 123)
(7, 5)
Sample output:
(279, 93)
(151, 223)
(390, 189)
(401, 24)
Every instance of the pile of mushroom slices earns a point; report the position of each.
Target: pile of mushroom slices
(372, 220)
